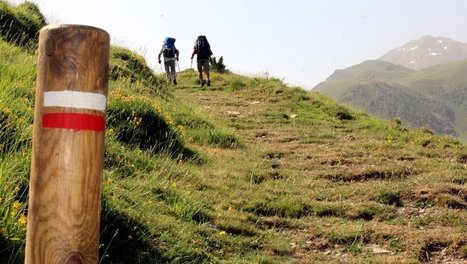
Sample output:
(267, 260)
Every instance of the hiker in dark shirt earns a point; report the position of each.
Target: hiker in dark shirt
(171, 54)
(203, 53)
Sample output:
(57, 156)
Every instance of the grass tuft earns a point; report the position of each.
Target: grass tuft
(389, 197)
(138, 124)
(284, 207)
(430, 248)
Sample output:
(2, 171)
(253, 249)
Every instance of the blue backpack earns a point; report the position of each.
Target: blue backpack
(168, 47)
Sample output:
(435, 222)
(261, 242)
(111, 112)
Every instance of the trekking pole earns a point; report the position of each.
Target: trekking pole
(68, 145)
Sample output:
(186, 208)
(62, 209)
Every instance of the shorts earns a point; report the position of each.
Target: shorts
(203, 65)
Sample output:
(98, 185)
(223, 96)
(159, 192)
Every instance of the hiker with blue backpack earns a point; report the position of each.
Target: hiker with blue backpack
(203, 53)
(171, 55)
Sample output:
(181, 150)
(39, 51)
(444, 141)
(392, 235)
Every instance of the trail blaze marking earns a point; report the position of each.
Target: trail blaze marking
(75, 121)
(74, 100)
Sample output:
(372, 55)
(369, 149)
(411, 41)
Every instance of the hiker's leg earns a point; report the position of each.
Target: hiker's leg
(206, 70)
(200, 68)
(200, 71)
(172, 70)
(167, 69)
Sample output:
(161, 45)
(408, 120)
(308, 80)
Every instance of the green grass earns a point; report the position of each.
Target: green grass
(12, 208)
(16, 114)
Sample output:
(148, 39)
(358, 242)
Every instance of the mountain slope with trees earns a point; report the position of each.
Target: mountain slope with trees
(434, 98)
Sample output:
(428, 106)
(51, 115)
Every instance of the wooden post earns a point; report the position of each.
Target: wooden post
(68, 145)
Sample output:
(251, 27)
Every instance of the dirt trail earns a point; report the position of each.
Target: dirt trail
(340, 174)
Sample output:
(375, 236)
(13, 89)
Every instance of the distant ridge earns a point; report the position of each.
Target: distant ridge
(435, 97)
(427, 51)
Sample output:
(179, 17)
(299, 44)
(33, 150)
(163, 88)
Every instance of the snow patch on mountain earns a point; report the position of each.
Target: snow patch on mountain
(426, 52)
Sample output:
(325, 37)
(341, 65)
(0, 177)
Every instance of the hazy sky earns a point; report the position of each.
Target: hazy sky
(302, 41)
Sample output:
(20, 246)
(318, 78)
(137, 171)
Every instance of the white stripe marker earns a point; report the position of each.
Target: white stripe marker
(74, 99)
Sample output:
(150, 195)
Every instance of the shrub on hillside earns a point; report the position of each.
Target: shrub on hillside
(218, 65)
(20, 25)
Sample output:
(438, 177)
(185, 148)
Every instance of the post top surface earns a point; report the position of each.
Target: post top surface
(53, 27)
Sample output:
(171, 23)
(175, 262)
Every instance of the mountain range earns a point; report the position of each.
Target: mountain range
(430, 91)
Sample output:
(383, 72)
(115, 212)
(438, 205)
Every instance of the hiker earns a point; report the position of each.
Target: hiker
(170, 55)
(203, 51)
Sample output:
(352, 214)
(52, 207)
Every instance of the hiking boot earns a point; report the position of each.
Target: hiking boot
(175, 82)
(209, 82)
(201, 82)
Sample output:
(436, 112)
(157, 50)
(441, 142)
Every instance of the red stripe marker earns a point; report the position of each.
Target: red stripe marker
(74, 121)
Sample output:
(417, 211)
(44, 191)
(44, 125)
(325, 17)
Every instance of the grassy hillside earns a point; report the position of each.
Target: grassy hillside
(434, 98)
(249, 171)
(245, 171)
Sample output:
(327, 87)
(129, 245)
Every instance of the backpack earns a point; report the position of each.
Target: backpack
(168, 47)
(203, 48)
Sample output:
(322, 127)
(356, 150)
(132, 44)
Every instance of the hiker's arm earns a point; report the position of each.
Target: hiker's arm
(159, 56)
(194, 52)
(177, 54)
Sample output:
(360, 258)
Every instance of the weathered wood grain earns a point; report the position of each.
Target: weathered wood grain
(67, 164)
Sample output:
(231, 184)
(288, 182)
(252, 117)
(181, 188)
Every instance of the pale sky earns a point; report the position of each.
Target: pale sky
(300, 41)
